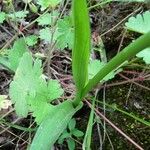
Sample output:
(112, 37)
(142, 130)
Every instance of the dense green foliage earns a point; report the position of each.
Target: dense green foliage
(32, 92)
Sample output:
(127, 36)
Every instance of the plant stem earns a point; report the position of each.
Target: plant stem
(127, 53)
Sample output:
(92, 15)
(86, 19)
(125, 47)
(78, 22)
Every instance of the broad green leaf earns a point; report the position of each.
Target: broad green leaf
(19, 48)
(71, 144)
(140, 23)
(31, 40)
(18, 15)
(48, 3)
(38, 112)
(145, 54)
(25, 83)
(81, 50)
(65, 33)
(2, 17)
(53, 125)
(30, 92)
(95, 66)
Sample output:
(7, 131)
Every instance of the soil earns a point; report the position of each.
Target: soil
(129, 97)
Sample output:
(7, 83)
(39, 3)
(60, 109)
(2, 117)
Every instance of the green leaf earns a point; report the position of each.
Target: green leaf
(72, 124)
(88, 134)
(45, 34)
(33, 8)
(38, 112)
(54, 90)
(140, 23)
(31, 40)
(145, 54)
(30, 92)
(2, 17)
(48, 3)
(45, 19)
(81, 50)
(71, 144)
(77, 133)
(18, 15)
(52, 126)
(25, 83)
(65, 33)
(64, 136)
(19, 48)
(95, 66)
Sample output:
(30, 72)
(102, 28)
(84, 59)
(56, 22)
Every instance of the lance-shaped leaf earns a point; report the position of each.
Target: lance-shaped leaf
(81, 50)
(53, 125)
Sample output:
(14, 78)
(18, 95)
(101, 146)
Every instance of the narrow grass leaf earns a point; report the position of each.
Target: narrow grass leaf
(81, 50)
(52, 126)
(88, 135)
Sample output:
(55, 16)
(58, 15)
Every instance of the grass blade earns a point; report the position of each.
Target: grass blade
(88, 135)
(81, 50)
(51, 128)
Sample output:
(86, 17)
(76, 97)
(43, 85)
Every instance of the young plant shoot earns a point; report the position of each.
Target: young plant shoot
(30, 92)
